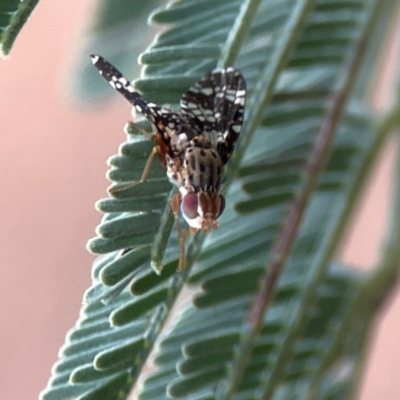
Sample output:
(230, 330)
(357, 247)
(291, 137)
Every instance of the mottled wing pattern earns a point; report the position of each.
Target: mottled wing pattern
(214, 107)
(166, 122)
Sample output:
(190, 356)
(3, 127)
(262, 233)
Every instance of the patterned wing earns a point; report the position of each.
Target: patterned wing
(166, 122)
(214, 107)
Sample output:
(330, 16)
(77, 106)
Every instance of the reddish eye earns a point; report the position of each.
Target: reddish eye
(189, 205)
(221, 205)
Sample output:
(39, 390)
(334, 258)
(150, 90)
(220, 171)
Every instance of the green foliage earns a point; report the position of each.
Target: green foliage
(301, 60)
(13, 15)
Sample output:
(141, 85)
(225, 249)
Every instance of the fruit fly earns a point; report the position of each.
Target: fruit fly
(194, 143)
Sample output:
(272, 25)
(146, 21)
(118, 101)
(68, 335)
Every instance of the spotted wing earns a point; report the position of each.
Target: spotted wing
(214, 107)
(166, 122)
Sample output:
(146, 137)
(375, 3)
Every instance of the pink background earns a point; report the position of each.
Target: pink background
(50, 157)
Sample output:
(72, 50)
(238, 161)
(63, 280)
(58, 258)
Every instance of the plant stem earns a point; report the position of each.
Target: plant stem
(238, 33)
(377, 288)
(318, 159)
(364, 293)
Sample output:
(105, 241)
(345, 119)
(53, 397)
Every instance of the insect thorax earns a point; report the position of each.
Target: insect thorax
(197, 168)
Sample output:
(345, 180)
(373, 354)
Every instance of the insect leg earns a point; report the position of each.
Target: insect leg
(175, 205)
(145, 172)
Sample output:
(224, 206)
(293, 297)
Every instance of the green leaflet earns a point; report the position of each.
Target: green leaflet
(13, 15)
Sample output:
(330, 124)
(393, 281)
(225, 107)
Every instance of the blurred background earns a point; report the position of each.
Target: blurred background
(47, 142)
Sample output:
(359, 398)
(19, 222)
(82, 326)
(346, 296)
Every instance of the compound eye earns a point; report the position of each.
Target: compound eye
(189, 205)
(221, 205)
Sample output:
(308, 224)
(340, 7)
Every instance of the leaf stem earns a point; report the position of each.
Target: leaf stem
(162, 235)
(268, 77)
(362, 300)
(230, 52)
(317, 161)
(238, 33)
(379, 284)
